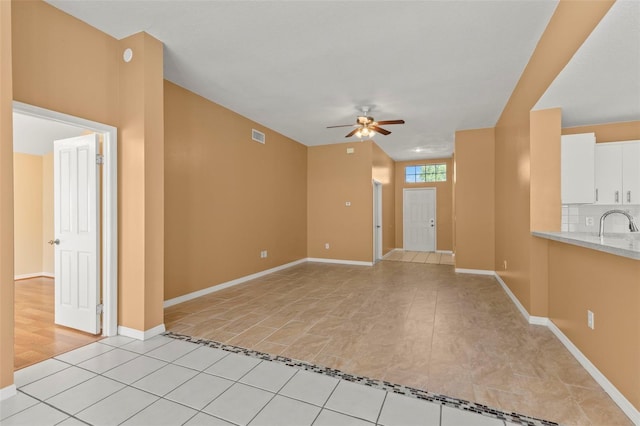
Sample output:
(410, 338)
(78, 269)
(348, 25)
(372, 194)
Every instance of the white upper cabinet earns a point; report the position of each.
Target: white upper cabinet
(618, 173)
(631, 172)
(578, 168)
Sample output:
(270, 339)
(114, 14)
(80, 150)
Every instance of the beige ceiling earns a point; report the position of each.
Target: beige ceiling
(299, 66)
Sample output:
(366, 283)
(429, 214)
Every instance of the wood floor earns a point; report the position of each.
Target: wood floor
(37, 338)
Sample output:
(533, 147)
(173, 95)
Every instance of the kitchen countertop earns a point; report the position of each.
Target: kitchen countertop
(625, 245)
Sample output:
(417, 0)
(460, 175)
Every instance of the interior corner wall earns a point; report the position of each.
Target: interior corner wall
(545, 199)
(227, 197)
(383, 171)
(474, 188)
(335, 178)
(28, 214)
(6, 201)
(569, 27)
(444, 202)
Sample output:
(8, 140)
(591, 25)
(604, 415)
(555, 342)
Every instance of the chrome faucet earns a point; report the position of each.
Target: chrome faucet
(632, 224)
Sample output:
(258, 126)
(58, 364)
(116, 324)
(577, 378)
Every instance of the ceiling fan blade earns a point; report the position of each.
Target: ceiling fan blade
(391, 122)
(342, 125)
(351, 133)
(379, 130)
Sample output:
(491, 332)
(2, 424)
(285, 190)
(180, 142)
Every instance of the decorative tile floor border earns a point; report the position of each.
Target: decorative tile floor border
(374, 383)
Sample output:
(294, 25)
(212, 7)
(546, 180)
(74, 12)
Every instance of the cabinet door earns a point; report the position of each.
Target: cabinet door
(609, 173)
(631, 172)
(577, 168)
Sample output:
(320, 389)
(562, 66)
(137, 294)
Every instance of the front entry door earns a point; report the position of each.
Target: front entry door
(76, 219)
(419, 213)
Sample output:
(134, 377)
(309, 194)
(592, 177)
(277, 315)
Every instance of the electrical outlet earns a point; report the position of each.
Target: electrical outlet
(263, 254)
(505, 264)
(588, 221)
(326, 246)
(591, 320)
(266, 254)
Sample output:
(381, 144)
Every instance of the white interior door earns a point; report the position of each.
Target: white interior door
(76, 219)
(419, 219)
(377, 221)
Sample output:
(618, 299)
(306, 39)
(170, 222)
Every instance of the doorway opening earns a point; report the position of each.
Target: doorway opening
(419, 219)
(37, 284)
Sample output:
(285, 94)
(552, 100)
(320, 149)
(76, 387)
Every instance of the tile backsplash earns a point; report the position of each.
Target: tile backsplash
(576, 216)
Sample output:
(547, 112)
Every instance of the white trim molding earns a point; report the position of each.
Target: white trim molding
(339, 261)
(141, 335)
(625, 405)
(8, 392)
(34, 275)
(622, 402)
(474, 271)
(513, 297)
(222, 286)
(109, 175)
(444, 251)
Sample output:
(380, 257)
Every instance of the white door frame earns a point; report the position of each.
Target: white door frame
(377, 221)
(435, 215)
(109, 209)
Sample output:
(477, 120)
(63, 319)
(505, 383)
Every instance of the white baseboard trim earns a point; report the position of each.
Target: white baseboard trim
(339, 261)
(622, 402)
(8, 392)
(533, 320)
(474, 271)
(34, 275)
(513, 297)
(141, 335)
(444, 251)
(222, 286)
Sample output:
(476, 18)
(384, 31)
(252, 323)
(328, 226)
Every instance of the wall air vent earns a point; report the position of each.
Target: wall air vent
(258, 136)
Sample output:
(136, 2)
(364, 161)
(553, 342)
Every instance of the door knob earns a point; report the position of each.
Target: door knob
(56, 242)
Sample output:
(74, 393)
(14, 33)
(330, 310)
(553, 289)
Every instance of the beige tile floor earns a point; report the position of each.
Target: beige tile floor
(420, 257)
(415, 324)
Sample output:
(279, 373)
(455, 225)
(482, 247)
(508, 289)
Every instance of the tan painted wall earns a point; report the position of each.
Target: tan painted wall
(47, 214)
(474, 188)
(33, 213)
(141, 184)
(27, 187)
(582, 279)
(609, 132)
(444, 202)
(570, 25)
(545, 202)
(226, 196)
(63, 64)
(6, 198)
(383, 171)
(335, 177)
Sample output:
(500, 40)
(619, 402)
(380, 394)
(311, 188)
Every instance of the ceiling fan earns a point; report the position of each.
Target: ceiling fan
(366, 125)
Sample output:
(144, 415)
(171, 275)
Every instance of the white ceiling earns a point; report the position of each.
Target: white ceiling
(299, 66)
(33, 135)
(601, 84)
